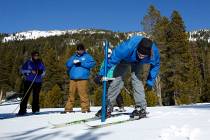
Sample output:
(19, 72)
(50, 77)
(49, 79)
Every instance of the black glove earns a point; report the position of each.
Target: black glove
(97, 79)
(78, 64)
(26, 74)
(39, 72)
(67, 71)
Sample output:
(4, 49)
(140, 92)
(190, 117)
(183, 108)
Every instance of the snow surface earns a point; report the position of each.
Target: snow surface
(190, 122)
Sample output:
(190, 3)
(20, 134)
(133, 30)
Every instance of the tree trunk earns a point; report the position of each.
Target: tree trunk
(158, 90)
(1, 96)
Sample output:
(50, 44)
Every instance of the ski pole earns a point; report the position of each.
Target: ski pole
(25, 93)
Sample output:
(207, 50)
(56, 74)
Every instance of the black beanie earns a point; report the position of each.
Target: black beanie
(34, 52)
(80, 46)
(145, 46)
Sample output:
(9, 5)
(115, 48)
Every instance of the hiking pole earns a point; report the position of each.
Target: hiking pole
(25, 93)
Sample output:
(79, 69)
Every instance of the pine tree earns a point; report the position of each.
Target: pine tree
(160, 30)
(181, 75)
(53, 98)
(160, 37)
(150, 20)
(54, 74)
(154, 26)
(203, 56)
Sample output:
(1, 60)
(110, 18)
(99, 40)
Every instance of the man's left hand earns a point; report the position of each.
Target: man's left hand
(40, 72)
(148, 87)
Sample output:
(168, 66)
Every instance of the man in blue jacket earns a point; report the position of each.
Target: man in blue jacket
(33, 71)
(78, 68)
(133, 53)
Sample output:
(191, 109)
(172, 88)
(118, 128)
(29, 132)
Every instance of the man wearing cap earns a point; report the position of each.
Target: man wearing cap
(33, 71)
(133, 53)
(78, 69)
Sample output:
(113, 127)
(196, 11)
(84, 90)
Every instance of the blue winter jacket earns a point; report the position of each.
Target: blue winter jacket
(30, 65)
(81, 72)
(127, 51)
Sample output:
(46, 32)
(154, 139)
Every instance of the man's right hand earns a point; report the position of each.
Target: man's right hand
(33, 72)
(76, 61)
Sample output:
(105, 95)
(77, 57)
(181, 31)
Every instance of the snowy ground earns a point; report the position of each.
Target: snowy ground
(164, 123)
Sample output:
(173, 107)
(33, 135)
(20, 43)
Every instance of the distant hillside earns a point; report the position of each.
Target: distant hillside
(35, 34)
(203, 34)
(200, 35)
(2, 36)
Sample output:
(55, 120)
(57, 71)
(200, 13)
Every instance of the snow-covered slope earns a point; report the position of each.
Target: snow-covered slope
(130, 34)
(200, 34)
(34, 34)
(163, 123)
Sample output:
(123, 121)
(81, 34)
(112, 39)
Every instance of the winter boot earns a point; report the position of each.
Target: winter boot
(138, 113)
(66, 112)
(21, 113)
(35, 111)
(86, 111)
(109, 110)
(121, 109)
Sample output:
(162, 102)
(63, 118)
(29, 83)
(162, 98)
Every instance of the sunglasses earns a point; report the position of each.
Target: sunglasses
(142, 56)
